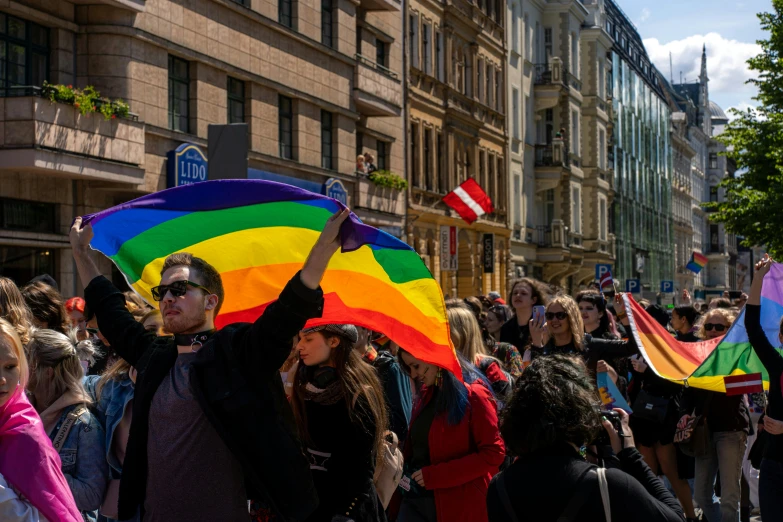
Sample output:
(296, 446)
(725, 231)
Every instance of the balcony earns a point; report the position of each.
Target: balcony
(380, 5)
(55, 138)
(551, 155)
(552, 236)
(550, 79)
(380, 199)
(377, 90)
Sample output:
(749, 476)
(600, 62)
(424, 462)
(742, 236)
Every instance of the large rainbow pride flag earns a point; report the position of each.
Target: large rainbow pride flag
(705, 364)
(258, 234)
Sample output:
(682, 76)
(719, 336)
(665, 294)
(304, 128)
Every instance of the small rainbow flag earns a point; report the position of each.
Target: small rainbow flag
(697, 262)
(257, 234)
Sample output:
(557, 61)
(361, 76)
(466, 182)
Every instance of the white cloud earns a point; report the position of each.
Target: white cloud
(726, 63)
(645, 15)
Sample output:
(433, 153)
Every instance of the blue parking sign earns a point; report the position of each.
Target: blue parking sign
(633, 286)
(667, 287)
(601, 270)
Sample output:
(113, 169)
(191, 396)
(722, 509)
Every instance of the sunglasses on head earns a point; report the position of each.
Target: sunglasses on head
(561, 316)
(177, 289)
(718, 327)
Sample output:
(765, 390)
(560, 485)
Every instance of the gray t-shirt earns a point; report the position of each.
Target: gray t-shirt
(192, 475)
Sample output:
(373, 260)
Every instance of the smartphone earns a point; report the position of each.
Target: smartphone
(538, 314)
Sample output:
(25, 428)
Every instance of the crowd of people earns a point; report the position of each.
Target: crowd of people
(113, 410)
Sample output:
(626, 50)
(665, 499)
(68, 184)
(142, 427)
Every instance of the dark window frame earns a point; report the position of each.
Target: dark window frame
(713, 160)
(382, 155)
(327, 140)
(285, 111)
(36, 209)
(235, 99)
(32, 49)
(175, 80)
(381, 54)
(327, 23)
(285, 13)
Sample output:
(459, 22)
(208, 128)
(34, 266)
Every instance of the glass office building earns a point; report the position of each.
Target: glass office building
(642, 210)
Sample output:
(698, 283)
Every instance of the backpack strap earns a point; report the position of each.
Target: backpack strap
(578, 499)
(66, 426)
(504, 498)
(603, 485)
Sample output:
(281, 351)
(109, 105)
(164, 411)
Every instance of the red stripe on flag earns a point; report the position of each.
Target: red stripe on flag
(464, 211)
(742, 384)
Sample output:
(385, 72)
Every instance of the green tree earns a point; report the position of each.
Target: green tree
(753, 206)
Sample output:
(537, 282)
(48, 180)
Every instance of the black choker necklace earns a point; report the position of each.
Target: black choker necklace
(195, 341)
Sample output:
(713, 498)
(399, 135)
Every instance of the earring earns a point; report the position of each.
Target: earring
(439, 378)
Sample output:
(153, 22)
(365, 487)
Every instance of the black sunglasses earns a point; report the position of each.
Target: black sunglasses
(559, 315)
(718, 327)
(93, 331)
(177, 289)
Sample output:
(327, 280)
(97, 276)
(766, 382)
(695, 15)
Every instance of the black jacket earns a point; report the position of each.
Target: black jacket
(236, 382)
(511, 332)
(541, 485)
(773, 362)
(396, 391)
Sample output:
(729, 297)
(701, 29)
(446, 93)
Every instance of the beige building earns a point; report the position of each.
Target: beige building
(456, 130)
(316, 81)
(560, 221)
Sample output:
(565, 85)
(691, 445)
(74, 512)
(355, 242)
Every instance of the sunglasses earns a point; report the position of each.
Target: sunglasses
(93, 331)
(561, 316)
(177, 289)
(718, 327)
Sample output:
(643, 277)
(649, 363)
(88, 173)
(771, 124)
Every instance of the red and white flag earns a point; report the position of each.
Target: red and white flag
(742, 384)
(605, 283)
(469, 200)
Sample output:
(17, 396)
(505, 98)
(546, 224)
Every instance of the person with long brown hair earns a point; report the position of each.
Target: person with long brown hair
(341, 414)
(14, 310)
(525, 294)
(47, 307)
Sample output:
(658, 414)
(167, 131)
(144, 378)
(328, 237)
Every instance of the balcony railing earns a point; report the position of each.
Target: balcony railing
(551, 155)
(600, 104)
(543, 235)
(574, 82)
(378, 67)
(555, 73)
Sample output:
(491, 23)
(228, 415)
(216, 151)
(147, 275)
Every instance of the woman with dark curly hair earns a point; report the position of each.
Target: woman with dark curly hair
(551, 416)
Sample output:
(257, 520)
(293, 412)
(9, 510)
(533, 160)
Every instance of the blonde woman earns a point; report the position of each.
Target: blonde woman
(467, 339)
(14, 310)
(32, 486)
(563, 330)
(715, 323)
(60, 399)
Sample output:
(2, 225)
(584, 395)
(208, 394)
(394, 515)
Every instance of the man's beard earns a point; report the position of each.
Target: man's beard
(182, 323)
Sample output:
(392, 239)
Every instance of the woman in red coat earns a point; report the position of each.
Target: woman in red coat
(453, 447)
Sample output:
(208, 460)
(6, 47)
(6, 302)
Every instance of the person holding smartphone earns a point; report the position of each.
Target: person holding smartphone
(526, 293)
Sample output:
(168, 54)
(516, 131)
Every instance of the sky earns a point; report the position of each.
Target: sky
(729, 29)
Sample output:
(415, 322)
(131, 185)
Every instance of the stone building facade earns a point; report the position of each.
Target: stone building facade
(316, 82)
(456, 129)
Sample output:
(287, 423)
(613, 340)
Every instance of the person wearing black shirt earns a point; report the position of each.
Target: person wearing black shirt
(771, 476)
(525, 294)
(549, 418)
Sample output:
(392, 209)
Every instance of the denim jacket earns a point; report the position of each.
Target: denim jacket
(109, 408)
(84, 462)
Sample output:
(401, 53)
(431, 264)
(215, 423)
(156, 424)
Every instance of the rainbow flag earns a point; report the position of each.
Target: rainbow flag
(734, 355)
(668, 357)
(258, 235)
(697, 262)
(610, 396)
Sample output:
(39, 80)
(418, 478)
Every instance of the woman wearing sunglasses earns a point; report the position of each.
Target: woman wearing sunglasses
(727, 419)
(563, 331)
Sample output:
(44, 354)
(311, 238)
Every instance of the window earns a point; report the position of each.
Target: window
(491, 8)
(413, 34)
(415, 155)
(714, 194)
(498, 11)
(440, 62)
(179, 98)
(547, 44)
(713, 160)
(284, 12)
(527, 43)
(360, 144)
(602, 219)
(574, 55)
(428, 170)
(383, 155)
(27, 216)
(549, 207)
(601, 149)
(492, 180)
(286, 127)
(242, 2)
(24, 53)
(529, 122)
(479, 80)
(514, 29)
(236, 100)
(515, 113)
(327, 159)
(575, 132)
(380, 53)
(576, 207)
(482, 179)
(517, 203)
(468, 76)
(498, 91)
(601, 80)
(489, 85)
(442, 180)
(426, 49)
(327, 36)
